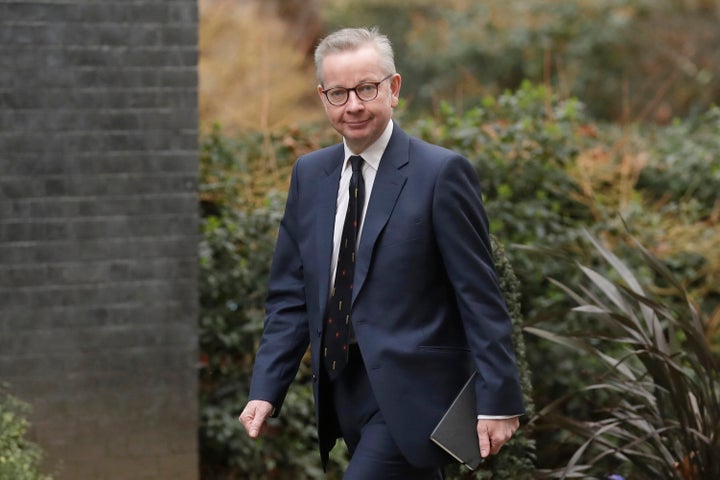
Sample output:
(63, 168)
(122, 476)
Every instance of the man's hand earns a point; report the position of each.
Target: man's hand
(492, 434)
(254, 415)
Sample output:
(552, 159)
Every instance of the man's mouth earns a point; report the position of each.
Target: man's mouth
(357, 123)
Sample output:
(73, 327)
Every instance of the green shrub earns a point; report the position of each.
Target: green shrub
(686, 165)
(644, 60)
(20, 459)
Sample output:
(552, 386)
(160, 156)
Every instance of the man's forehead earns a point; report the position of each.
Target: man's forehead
(364, 59)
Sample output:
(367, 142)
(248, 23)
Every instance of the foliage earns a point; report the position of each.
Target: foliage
(630, 60)
(662, 377)
(664, 182)
(20, 459)
(687, 165)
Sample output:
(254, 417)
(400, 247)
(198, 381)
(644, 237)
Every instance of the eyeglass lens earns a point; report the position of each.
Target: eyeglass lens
(364, 91)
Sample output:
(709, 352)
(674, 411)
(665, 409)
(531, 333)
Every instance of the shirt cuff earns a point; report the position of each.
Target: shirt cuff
(497, 417)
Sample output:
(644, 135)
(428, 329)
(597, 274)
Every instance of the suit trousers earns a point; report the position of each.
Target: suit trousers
(373, 453)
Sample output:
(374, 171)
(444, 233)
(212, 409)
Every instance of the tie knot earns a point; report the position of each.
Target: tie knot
(356, 162)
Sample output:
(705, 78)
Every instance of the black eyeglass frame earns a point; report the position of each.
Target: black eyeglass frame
(354, 89)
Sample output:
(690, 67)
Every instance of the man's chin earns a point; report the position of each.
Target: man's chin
(356, 137)
(358, 131)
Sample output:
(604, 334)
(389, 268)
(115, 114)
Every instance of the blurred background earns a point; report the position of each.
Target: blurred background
(585, 120)
(628, 60)
(146, 149)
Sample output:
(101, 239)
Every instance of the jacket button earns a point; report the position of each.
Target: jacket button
(314, 378)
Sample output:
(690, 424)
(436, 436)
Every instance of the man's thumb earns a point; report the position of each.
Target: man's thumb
(257, 420)
(256, 425)
(484, 440)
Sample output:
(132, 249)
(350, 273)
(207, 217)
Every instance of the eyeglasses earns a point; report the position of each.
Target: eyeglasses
(365, 91)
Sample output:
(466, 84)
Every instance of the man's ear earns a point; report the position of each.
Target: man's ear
(395, 84)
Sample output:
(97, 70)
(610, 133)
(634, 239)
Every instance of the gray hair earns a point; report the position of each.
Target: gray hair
(349, 39)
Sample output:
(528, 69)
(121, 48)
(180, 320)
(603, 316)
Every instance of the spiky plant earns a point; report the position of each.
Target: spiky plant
(660, 417)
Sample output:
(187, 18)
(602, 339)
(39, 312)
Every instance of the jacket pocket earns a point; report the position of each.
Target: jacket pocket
(446, 349)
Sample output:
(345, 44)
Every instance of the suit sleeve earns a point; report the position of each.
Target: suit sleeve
(461, 228)
(285, 334)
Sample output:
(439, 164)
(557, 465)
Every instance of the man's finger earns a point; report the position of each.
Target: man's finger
(484, 440)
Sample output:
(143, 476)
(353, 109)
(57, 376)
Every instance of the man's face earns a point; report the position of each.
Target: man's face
(361, 123)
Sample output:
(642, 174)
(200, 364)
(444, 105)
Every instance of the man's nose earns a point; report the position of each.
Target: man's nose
(353, 101)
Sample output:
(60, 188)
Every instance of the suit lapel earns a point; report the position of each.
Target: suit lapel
(389, 182)
(325, 221)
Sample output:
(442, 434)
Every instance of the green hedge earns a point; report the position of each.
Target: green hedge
(646, 60)
(20, 459)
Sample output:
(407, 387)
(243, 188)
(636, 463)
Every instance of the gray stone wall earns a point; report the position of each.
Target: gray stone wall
(98, 232)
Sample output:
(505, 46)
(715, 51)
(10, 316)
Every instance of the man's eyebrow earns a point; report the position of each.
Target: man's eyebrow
(366, 80)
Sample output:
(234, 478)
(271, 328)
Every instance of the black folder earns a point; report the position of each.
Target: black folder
(456, 431)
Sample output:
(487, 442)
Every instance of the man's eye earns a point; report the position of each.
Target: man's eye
(365, 89)
(336, 93)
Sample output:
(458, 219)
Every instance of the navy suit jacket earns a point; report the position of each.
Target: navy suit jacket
(426, 305)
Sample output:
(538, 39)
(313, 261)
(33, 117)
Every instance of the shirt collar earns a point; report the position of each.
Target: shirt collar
(374, 152)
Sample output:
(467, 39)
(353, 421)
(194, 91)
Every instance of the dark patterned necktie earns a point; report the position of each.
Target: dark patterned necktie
(337, 316)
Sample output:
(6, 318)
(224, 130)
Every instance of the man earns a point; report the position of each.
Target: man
(387, 233)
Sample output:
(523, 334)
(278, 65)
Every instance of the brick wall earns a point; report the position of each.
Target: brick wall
(98, 232)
